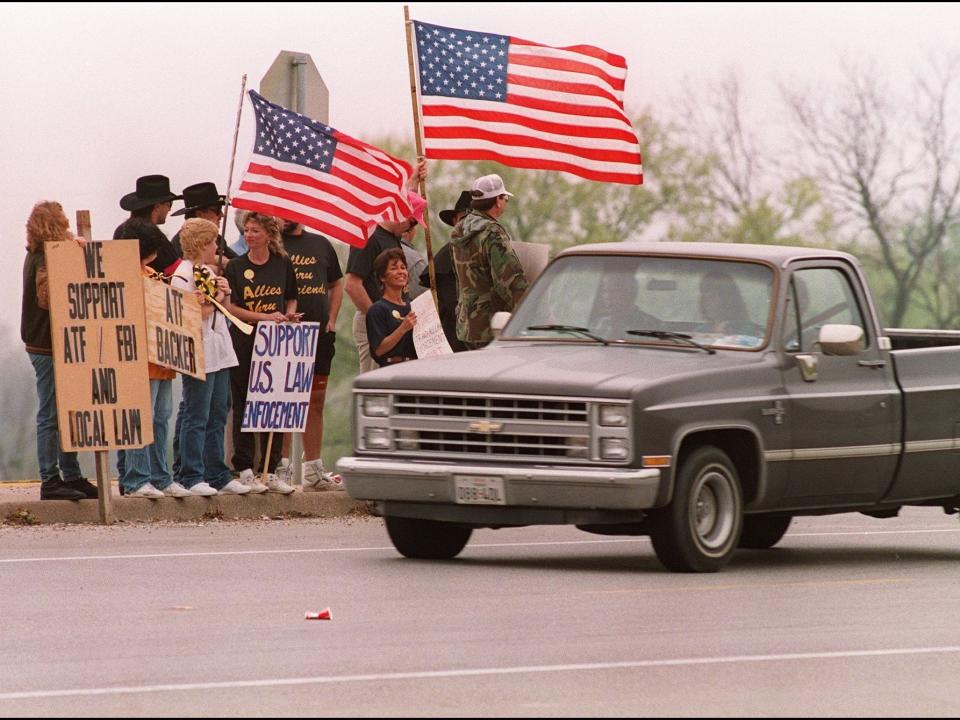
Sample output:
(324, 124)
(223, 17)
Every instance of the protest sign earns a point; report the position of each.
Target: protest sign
(281, 376)
(533, 258)
(428, 337)
(174, 328)
(99, 345)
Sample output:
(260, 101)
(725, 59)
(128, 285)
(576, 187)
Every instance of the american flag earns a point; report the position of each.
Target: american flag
(305, 171)
(526, 105)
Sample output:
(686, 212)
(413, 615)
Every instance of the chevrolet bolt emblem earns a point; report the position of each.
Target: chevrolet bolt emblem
(485, 426)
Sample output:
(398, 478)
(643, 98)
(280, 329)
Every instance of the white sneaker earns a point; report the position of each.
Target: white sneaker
(146, 491)
(276, 485)
(201, 488)
(175, 489)
(234, 487)
(285, 471)
(250, 480)
(315, 479)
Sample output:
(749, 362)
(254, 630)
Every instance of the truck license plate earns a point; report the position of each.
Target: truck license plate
(479, 490)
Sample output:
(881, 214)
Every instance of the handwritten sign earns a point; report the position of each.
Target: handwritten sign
(428, 337)
(281, 377)
(174, 328)
(99, 345)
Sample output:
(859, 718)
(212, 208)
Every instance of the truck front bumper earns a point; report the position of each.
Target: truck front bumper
(577, 488)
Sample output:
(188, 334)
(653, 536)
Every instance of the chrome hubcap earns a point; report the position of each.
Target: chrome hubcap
(713, 511)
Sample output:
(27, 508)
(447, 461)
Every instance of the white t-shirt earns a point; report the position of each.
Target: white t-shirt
(218, 351)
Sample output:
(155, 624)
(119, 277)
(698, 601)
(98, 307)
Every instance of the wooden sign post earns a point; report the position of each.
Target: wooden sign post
(99, 349)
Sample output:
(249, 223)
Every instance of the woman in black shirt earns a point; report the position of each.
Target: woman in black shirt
(389, 319)
(263, 287)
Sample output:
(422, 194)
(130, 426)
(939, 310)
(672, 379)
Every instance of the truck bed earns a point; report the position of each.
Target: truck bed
(909, 339)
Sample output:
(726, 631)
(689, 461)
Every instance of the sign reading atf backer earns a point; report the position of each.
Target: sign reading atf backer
(174, 328)
(281, 376)
(99, 345)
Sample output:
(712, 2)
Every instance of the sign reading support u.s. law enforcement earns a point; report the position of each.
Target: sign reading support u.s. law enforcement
(281, 376)
(99, 345)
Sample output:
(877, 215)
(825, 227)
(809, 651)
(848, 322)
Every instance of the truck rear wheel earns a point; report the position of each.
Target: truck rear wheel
(699, 529)
(426, 539)
(761, 532)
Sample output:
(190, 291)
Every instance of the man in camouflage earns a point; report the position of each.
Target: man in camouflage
(488, 271)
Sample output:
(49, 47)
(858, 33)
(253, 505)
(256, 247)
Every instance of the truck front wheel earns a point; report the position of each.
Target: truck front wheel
(426, 539)
(698, 531)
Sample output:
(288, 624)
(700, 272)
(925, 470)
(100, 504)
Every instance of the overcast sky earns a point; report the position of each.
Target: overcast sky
(99, 94)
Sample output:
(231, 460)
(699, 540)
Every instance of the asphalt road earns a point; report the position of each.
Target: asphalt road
(847, 616)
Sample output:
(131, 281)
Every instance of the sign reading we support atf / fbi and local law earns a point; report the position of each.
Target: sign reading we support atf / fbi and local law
(174, 328)
(99, 345)
(428, 336)
(281, 376)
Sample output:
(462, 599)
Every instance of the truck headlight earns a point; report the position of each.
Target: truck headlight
(376, 438)
(376, 405)
(614, 415)
(613, 449)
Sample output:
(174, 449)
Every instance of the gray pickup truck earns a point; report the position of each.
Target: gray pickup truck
(701, 394)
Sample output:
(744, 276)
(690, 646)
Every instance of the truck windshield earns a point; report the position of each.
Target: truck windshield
(716, 303)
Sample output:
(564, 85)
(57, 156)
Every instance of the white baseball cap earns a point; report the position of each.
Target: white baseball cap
(489, 186)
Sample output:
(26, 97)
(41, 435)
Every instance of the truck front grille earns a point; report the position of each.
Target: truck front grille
(521, 409)
(510, 428)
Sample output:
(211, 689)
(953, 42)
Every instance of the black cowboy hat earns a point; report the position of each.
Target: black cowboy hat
(199, 196)
(151, 190)
(462, 205)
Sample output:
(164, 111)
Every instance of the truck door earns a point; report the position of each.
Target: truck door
(843, 412)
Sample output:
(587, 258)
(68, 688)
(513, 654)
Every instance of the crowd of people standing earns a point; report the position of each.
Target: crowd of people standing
(277, 272)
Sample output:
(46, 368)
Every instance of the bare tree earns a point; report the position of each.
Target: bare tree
(890, 167)
(735, 188)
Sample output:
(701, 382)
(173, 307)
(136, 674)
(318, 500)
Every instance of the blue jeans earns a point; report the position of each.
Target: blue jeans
(149, 464)
(205, 408)
(51, 459)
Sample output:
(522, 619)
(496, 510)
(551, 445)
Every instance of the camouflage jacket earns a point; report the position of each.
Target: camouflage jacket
(488, 273)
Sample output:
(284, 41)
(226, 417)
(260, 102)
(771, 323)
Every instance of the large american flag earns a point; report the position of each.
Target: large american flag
(305, 171)
(526, 105)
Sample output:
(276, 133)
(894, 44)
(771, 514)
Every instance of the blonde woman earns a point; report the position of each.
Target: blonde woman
(206, 403)
(263, 288)
(47, 223)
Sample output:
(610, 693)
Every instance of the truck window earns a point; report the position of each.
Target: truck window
(819, 296)
(716, 302)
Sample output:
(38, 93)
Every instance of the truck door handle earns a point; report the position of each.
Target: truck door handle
(875, 364)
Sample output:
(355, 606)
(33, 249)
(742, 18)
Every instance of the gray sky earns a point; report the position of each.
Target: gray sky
(97, 95)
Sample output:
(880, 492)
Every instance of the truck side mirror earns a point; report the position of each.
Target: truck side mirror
(841, 339)
(498, 322)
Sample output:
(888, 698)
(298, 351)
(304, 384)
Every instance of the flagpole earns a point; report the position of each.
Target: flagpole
(233, 156)
(418, 137)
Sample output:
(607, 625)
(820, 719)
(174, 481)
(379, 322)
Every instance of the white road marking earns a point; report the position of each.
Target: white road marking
(474, 672)
(472, 546)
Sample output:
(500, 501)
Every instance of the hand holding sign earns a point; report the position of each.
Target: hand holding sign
(428, 335)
